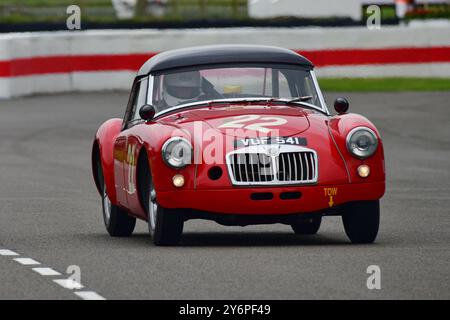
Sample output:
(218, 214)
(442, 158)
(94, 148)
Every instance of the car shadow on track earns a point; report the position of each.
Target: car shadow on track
(227, 239)
(244, 239)
(250, 239)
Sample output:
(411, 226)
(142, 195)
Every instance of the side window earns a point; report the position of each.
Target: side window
(140, 99)
(137, 100)
(131, 104)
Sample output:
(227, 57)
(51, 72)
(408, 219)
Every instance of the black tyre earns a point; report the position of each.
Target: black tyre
(361, 221)
(165, 225)
(168, 227)
(307, 226)
(117, 222)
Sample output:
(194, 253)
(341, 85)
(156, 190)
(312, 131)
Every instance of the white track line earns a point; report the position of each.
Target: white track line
(26, 261)
(46, 271)
(69, 284)
(89, 295)
(6, 252)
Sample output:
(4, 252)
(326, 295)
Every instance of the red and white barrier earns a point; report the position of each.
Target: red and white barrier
(47, 62)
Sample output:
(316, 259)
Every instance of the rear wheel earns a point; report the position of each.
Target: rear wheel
(361, 221)
(165, 225)
(307, 226)
(117, 222)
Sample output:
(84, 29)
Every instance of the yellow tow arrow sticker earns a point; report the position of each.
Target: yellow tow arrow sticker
(330, 192)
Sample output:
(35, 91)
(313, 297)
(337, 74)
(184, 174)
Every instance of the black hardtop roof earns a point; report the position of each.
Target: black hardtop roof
(218, 54)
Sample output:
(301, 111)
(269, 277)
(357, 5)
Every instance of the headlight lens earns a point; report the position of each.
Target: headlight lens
(177, 152)
(362, 142)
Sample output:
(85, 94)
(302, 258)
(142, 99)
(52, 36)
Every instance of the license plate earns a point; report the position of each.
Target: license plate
(248, 142)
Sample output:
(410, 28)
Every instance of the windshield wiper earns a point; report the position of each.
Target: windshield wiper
(247, 100)
(297, 101)
(301, 99)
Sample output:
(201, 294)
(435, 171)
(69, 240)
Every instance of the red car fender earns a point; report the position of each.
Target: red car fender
(154, 135)
(340, 126)
(104, 139)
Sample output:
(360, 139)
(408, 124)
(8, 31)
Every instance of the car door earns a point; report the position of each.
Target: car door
(123, 151)
(133, 146)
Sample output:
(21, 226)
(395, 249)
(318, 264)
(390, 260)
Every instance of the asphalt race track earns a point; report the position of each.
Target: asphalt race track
(50, 211)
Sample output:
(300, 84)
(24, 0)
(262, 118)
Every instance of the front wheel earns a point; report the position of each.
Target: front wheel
(165, 225)
(361, 221)
(307, 226)
(117, 222)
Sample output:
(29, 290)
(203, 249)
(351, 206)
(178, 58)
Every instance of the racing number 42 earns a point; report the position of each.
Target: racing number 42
(240, 122)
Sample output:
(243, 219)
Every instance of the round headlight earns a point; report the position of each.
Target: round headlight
(362, 142)
(177, 152)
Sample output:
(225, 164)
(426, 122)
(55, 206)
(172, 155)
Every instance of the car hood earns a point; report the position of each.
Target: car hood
(308, 128)
(243, 121)
(254, 120)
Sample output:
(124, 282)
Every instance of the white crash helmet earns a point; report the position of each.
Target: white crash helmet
(181, 87)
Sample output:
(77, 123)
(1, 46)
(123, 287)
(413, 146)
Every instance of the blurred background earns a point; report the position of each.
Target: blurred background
(51, 14)
(64, 71)
(373, 44)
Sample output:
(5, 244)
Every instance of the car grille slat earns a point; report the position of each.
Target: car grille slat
(296, 165)
(307, 165)
(284, 168)
(237, 169)
(312, 167)
(246, 164)
(290, 166)
(258, 173)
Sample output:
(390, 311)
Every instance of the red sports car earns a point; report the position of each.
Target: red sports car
(240, 135)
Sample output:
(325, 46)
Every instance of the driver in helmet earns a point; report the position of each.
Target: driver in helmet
(181, 87)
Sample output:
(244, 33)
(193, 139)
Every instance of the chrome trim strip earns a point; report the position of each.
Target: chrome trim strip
(300, 162)
(243, 100)
(319, 93)
(307, 166)
(295, 166)
(150, 85)
(340, 153)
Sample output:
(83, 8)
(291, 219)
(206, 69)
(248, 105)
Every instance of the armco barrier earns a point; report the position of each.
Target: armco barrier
(47, 62)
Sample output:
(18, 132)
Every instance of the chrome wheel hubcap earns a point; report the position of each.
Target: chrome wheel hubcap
(153, 207)
(106, 207)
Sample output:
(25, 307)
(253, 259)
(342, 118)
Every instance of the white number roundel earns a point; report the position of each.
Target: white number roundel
(242, 122)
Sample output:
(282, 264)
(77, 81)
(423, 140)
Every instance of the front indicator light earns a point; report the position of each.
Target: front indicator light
(178, 180)
(364, 171)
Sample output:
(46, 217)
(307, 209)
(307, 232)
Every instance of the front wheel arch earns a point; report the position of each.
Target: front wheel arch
(143, 176)
(97, 170)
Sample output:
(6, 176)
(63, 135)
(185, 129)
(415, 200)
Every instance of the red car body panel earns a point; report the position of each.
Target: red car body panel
(237, 201)
(338, 181)
(104, 140)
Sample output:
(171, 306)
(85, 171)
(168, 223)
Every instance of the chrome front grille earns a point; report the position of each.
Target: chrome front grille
(252, 167)
(261, 165)
(296, 166)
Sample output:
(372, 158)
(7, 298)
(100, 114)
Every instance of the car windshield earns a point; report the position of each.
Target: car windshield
(184, 86)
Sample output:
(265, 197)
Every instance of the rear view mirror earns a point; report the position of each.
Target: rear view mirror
(341, 105)
(147, 112)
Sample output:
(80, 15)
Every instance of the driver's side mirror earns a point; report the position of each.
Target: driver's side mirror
(341, 105)
(147, 112)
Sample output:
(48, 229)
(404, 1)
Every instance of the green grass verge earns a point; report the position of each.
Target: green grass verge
(54, 3)
(384, 84)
